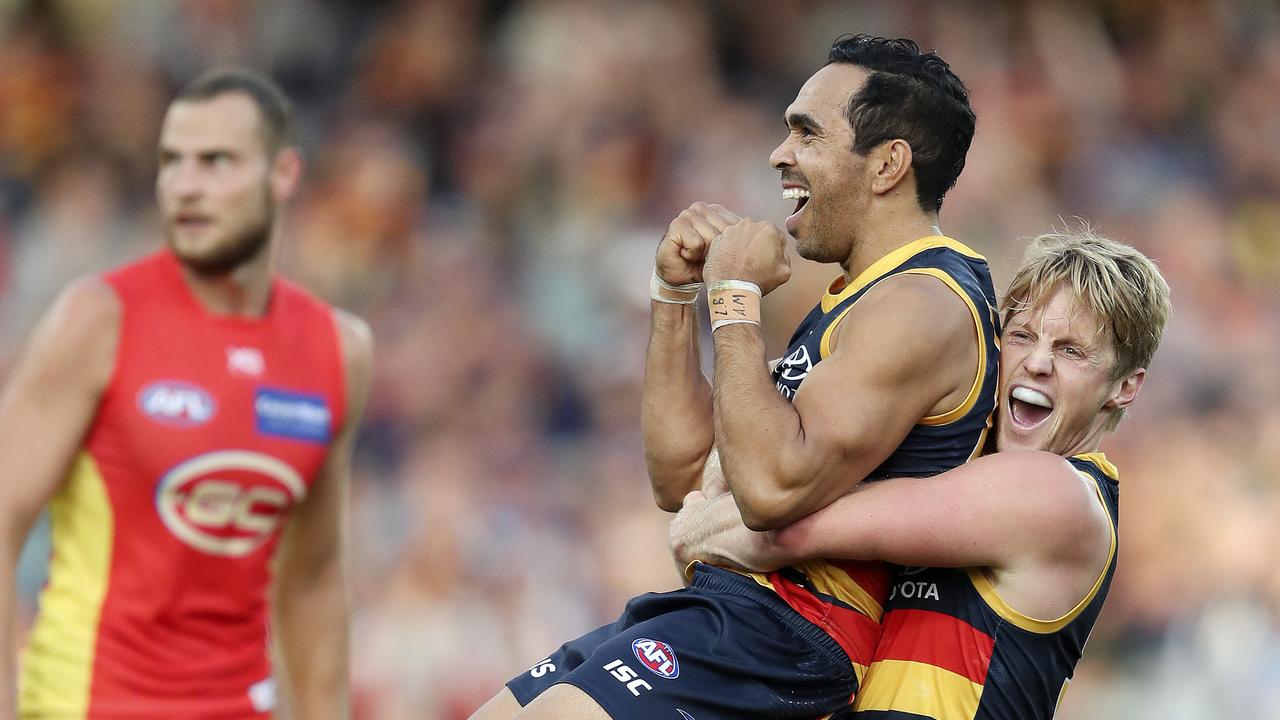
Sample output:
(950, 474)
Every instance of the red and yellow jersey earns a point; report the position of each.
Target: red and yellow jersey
(209, 431)
(953, 649)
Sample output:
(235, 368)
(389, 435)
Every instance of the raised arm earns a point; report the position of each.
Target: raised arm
(906, 348)
(676, 405)
(310, 598)
(47, 406)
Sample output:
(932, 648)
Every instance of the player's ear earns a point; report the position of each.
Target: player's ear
(890, 162)
(286, 173)
(1126, 390)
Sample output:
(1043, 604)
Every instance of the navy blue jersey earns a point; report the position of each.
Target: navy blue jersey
(939, 442)
(952, 649)
(842, 596)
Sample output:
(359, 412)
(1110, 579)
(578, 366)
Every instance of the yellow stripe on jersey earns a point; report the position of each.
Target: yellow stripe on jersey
(919, 688)
(760, 578)
(1103, 464)
(891, 261)
(58, 659)
(981, 579)
(831, 580)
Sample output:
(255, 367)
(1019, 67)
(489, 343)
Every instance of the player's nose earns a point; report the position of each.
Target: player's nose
(782, 156)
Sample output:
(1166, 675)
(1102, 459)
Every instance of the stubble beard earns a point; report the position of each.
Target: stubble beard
(243, 245)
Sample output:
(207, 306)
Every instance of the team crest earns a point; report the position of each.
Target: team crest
(228, 503)
(657, 656)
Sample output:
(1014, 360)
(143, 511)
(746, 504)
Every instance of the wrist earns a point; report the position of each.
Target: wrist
(665, 292)
(733, 302)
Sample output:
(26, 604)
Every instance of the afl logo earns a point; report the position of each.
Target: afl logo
(173, 402)
(227, 503)
(657, 656)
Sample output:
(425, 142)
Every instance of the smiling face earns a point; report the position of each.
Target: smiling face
(213, 183)
(820, 171)
(1057, 387)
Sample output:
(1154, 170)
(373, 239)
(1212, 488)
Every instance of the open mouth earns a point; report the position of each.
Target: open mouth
(1028, 408)
(801, 196)
(188, 221)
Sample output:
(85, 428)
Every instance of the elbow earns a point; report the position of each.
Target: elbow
(667, 501)
(767, 498)
(671, 482)
(764, 511)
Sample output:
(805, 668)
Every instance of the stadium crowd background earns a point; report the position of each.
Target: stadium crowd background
(487, 182)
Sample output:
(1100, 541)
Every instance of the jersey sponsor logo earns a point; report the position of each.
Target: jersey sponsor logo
(296, 416)
(792, 370)
(657, 656)
(177, 403)
(227, 503)
(624, 674)
(245, 361)
(912, 589)
(796, 366)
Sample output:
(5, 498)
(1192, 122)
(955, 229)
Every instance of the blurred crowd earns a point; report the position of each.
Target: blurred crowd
(487, 182)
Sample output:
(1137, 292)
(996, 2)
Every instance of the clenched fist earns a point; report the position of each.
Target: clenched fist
(751, 250)
(684, 247)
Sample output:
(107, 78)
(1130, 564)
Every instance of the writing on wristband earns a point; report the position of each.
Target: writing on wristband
(665, 292)
(732, 302)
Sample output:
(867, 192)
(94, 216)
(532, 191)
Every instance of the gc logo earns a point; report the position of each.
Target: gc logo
(227, 502)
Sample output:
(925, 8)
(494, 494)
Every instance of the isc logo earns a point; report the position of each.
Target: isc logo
(229, 502)
(176, 403)
(624, 674)
(657, 656)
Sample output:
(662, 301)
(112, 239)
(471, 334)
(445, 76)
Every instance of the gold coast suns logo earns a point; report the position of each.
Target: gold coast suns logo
(227, 503)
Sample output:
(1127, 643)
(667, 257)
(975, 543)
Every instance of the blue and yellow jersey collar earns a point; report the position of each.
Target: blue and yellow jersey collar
(838, 290)
(1100, 461)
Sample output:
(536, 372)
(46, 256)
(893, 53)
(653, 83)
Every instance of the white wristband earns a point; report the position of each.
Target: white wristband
(664, 292)
(735, 285)
(717, 324)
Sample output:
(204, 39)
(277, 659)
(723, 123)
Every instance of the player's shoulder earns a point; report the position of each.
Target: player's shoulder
(353, 331)
(79, 333)
(912, 306)
(1063, 500)
(87, 306)
(356, 342)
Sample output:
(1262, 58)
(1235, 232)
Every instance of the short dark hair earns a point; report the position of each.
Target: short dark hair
(273, 105)
(913, 96)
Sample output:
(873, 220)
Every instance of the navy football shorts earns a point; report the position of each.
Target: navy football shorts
(723, 648)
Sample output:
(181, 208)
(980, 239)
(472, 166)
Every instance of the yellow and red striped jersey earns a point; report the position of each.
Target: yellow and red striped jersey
(952, 649)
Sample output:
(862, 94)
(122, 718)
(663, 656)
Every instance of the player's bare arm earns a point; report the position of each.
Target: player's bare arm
(1029, 517)
(676, 407)
(311, 594)
(48, 403)
(784, 460)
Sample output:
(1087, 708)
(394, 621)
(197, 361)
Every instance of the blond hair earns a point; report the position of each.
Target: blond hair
(1120, 285)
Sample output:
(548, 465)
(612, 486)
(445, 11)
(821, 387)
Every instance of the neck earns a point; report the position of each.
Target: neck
(242, 292)
(888, 233)
(1091, 442)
